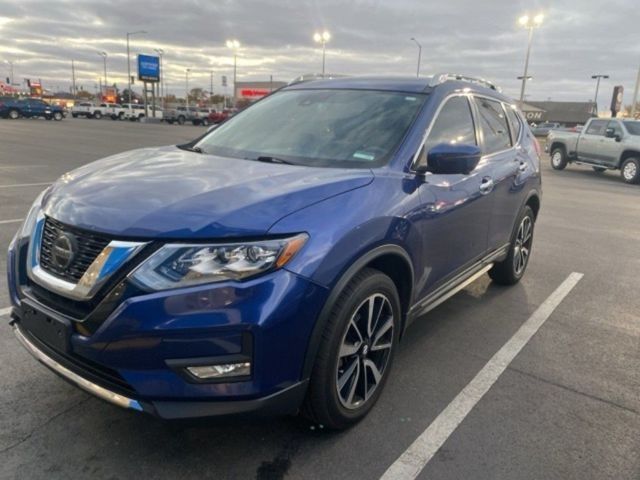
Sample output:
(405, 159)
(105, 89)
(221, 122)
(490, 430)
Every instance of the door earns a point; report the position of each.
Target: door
(455, 208)
(591, 141)
(610, 146)
(506, 164)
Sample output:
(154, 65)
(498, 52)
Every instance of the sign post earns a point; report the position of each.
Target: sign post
(149, 72)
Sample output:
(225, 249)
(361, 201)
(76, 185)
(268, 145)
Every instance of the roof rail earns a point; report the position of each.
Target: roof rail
(439, 78)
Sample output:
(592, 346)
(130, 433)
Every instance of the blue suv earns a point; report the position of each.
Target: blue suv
(274, 264)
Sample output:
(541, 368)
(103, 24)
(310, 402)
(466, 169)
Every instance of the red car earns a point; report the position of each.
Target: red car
(221, 116)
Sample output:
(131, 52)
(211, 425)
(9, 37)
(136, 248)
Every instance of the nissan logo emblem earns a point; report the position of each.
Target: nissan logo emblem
(63, 250)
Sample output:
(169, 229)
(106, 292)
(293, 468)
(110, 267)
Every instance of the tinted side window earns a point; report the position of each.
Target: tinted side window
(597, 127)
(514, 124)
(493, 122)
(454, 124)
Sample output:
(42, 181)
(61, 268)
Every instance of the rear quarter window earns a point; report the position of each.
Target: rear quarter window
(494, 125)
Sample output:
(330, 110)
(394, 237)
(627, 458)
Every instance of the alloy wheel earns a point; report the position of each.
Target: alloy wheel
(630, 171)
(556, 159)
(522, 247)
(365, 351)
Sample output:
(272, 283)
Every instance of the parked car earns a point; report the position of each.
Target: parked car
(603, 144)
(273, 266)
(89, 110)
(221, 115)
(543, 129)
(30, 108)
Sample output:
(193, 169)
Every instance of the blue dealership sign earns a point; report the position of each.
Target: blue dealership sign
(148, 68)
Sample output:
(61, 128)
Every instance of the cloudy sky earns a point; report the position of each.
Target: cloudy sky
(476, 37)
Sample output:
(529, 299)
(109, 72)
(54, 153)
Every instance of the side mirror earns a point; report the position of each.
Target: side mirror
(610, 133)
(446, 158)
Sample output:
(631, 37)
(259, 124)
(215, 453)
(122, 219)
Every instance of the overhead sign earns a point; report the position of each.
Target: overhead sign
(148, 68)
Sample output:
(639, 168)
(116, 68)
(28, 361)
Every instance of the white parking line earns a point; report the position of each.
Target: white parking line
(17, 185)
(15, 220)
(409, 465)
(5, 311)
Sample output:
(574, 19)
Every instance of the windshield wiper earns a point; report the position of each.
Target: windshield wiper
(270, 159)
(190, 149)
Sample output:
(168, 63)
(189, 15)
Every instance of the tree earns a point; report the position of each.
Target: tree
(129, 98)
(196, 95)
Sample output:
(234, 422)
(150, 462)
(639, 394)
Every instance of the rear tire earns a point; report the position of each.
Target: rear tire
(180, 120)
(97, 115)
(558, 158)
(14, 114)
(630, 170)
(356, 352)
(512, 268)
(74, 115)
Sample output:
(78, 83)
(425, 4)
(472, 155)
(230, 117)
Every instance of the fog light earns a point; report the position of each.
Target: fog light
(221, 371)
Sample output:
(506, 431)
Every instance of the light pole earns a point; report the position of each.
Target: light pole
(186, 74)
(528, 23)
(10, 71)
(160, 53)
(635, 96)
(234, 45)
(104, 58)
(419, 55)
(597, 79)
(139, 32)
(323, 38)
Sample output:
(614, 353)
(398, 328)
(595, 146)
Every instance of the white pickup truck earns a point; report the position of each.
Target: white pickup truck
(135, 111)
(90, 110)
(604, 144)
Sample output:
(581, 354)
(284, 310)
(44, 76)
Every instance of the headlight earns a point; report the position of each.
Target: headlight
(176, 265)
(29, 222)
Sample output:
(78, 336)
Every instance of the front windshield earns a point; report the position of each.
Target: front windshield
(633, 127)
(320, 128)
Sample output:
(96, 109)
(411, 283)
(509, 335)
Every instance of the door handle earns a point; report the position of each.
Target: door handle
(522, 167)
(486, 185)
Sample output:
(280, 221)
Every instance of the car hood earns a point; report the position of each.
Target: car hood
(167, 192)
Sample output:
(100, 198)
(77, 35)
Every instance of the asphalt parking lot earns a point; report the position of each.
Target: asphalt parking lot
(566, 407)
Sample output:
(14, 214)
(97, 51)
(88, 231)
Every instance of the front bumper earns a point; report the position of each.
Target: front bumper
(130, 358)
(286, 401)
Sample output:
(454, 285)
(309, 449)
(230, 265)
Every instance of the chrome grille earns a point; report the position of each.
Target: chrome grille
(89, 247)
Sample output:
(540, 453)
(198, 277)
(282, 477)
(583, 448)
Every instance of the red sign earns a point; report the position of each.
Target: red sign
(254, 92)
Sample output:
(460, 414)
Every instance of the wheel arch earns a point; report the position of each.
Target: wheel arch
(390, 259)
(628, 153)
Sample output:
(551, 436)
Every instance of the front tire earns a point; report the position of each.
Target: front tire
(97, 115)
(558, 158)
(181, 120)
(630, 170)
(356, 351)
(512, 268)
(57, 116)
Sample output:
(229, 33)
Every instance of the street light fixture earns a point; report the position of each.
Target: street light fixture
(529, 23)
(419, 55)
(597, 78)
(138, 32)
(234, 45)
(160, 53)
(322, 38)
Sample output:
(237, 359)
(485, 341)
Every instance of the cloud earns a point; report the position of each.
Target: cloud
(578, 39)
